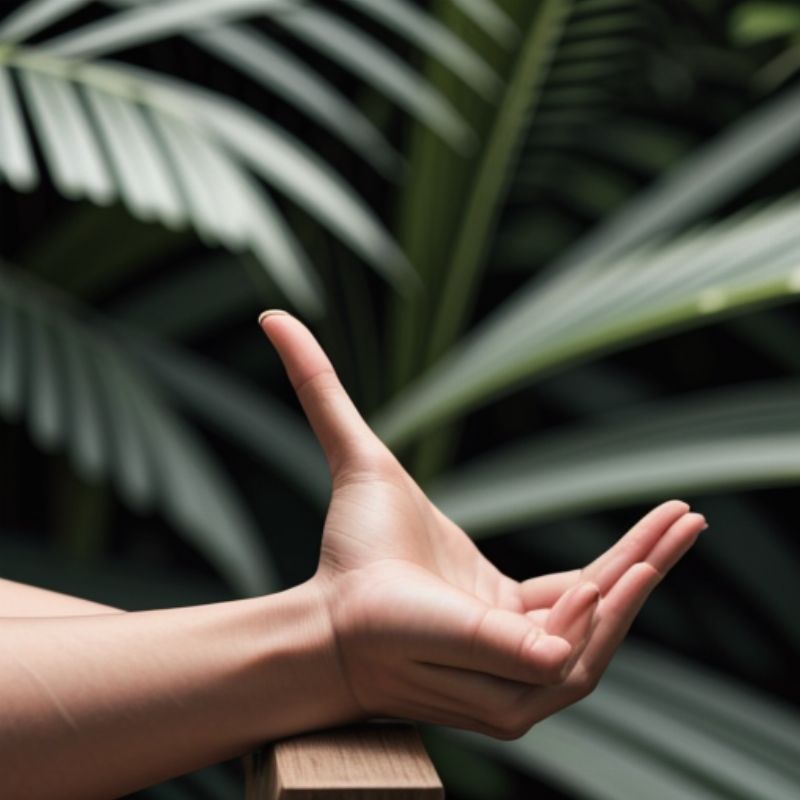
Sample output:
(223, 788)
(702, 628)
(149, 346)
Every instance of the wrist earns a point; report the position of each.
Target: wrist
(304, 686)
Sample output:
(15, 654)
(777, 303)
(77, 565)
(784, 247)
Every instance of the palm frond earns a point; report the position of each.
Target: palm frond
(274, 67)
(344, 43)
(376, 65)
(745, 439)
(546, 88)
(149, 21)
(424, 30)
(700, 183)
(180, 154)
(560, 171)
(482, 207)
(490, 17)
(78, 391)
(659, 727)
(146, 23)
(450, 205)
(17, 165)
(107, 134)
(270, 432)
(598, 306)
(34, 16)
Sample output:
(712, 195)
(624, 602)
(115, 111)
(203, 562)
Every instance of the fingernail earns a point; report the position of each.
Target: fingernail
(271, 312)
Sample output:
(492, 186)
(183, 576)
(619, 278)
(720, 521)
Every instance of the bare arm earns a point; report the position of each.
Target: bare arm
(121, 701)
(404, 617)
(22, 600)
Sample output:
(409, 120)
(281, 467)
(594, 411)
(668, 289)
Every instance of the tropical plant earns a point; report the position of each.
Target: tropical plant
(480, 138)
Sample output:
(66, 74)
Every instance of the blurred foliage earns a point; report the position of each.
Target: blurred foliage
(552, 249)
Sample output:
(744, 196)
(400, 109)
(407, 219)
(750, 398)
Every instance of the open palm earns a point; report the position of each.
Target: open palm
(424, 626)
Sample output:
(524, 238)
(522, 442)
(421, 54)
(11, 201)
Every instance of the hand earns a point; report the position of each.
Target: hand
(423, 626)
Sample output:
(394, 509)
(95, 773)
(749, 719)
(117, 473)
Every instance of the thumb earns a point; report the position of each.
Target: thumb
(337, 424)
(498, 642)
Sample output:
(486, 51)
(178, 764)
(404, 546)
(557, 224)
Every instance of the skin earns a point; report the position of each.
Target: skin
(404, 617)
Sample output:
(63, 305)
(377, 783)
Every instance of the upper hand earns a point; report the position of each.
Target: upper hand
(423, 626)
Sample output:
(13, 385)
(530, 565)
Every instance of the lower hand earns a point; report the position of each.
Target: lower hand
(422, 626)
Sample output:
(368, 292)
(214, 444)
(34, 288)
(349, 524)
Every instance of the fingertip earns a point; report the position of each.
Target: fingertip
(700, 521)
(692, 525)
(270, 312)
(677, 505)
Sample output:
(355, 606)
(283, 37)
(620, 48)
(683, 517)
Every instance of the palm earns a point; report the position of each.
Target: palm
(376, 520)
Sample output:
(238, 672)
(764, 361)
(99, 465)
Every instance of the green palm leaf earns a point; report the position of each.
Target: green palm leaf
(465, 199)
(703, 181)
(700, 183)
(257, 423)
(142, 127)
(17, 165)
(147, 23)
(198, 158)
(331, 35)
(269, 64)
(79, 392)
(597, 306)
(489, 17)
(34, 16)
(516, 106)
(424, 30)
(451, 203)
(375, 64)
(744, 439)
(150, 21)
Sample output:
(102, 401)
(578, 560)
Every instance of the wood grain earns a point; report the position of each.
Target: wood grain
(375, 761)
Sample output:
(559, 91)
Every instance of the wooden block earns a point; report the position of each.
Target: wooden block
(375, 761)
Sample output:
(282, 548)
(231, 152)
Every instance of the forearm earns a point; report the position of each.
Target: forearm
(98, 706)
(22, 600)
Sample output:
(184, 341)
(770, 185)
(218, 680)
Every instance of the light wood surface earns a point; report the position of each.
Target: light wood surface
(376, 761)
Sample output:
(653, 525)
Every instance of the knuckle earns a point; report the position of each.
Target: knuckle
(363, 460)
(373, 457)
(322, 383)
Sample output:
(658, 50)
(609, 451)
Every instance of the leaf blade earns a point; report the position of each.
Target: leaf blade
(735, 440)
(602, 306)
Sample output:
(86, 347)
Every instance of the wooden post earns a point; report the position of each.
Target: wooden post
(375, 761)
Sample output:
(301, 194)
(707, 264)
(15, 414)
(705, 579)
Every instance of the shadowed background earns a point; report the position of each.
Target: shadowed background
(552, 248)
